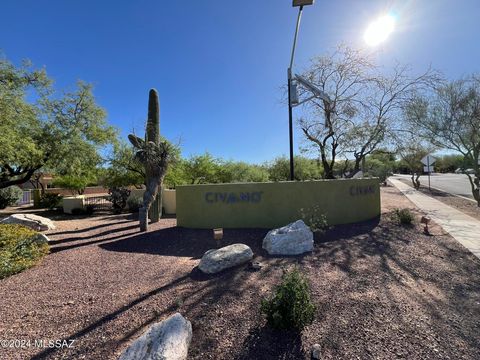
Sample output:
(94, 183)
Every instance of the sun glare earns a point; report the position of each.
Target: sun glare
(379, 30)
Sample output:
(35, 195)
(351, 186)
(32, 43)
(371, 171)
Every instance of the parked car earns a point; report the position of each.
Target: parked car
(464, 171)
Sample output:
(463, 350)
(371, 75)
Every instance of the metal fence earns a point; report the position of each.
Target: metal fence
(98, 202)
(26, 198)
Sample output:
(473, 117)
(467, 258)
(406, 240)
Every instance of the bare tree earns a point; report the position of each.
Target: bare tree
(450, 118)
(343, 76)
(363, 106)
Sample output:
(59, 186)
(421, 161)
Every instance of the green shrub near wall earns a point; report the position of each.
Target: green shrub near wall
(9, 196)
(270, 205)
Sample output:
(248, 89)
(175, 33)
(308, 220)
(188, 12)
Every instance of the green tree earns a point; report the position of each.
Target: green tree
(304, 169)
(63, 134)
(22, 135)
(176, 174)
(76, 184)
(450, 118)
(124, 169)
(411, 154)
(380, 163)
(81, 130)
(450, 163)
(241, 172)
(202, 169)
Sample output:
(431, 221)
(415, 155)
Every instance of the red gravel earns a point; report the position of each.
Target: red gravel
(381, 290)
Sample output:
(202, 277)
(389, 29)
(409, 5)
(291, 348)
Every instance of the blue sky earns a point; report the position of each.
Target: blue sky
(219, 65)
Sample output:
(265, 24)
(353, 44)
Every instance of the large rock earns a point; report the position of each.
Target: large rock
(34, 222)
(41, 238)
(292, 239)
(166, 340)
(216, 260)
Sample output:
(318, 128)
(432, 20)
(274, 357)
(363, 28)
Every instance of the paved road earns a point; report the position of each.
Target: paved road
(457, 184)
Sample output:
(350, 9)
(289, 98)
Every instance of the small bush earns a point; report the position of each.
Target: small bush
(134, 203)
(10, 196)
(78, 211)
(404, 216)
(314, 218)
(50, 200)
(290, 307)
(89, 209)
(118, 197)
(18, 249)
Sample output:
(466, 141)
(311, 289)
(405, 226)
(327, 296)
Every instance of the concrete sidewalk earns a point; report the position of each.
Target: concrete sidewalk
(464, 228)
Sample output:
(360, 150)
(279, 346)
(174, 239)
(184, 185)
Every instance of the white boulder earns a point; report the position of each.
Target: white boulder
(166, 340)
(216, 260)
(292, 239)
(316, 352)
(358, 175)
(35, 222)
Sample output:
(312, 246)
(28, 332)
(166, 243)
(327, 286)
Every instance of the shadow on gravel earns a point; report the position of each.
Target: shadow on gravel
(347, 231)
(178, 241)
(202, 296)
(382, 291)
(287, 345)
(47, 353)
(88, 237)
(55, 249)
(88, 229)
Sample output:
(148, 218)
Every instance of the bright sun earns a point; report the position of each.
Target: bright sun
(379, 30)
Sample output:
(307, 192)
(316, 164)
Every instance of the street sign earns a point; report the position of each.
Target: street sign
(428, 160)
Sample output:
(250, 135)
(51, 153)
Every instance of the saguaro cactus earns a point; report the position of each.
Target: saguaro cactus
(155, 156)
(152, 133)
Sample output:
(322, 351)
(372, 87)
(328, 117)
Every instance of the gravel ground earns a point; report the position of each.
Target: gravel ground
(466, 206)
(382, 291)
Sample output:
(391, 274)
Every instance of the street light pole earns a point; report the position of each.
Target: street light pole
(289, 84)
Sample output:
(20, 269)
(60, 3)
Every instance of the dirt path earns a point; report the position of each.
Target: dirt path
(382, 291)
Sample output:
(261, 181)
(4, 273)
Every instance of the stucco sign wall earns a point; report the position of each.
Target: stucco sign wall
(268, 205)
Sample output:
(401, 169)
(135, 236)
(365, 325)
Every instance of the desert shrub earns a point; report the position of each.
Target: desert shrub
(18, 249)
(78, 211)
(290, 307)
(381, 171)
(134, 203)
(314, 218)
(404, 216)
(118, 197)
(50, 200)
(10, 196)
(89, 209)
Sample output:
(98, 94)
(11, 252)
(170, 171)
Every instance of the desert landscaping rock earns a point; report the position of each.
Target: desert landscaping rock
(293, 239)
(378, 288)
(41, 238)
(216, 260)
(316, 348)
(256, 266)
(166, 340)
(35, 222)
